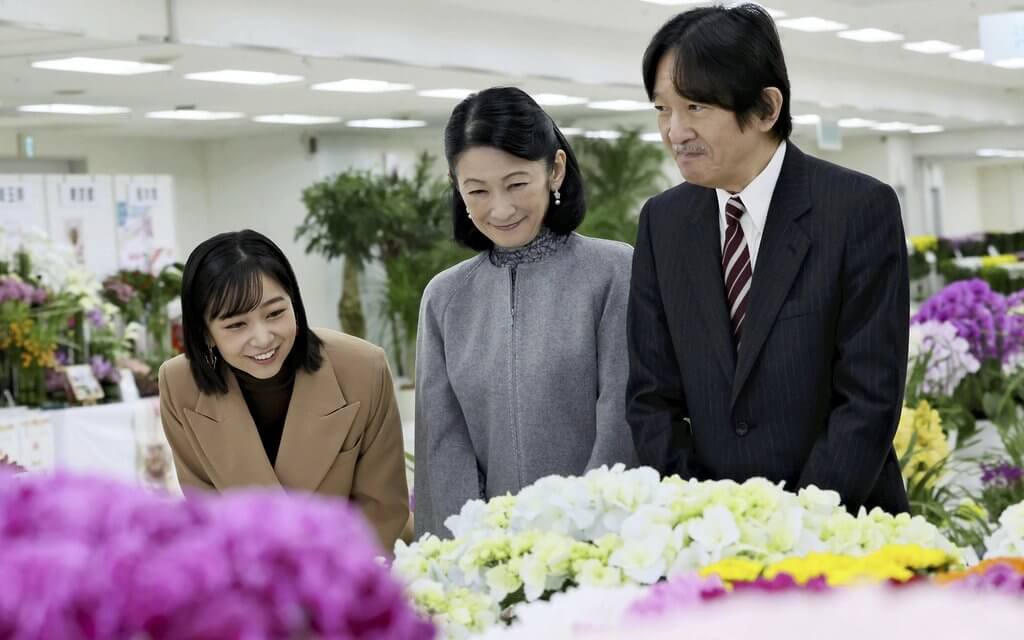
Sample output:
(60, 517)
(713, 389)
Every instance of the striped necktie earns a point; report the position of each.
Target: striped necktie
(736, 266)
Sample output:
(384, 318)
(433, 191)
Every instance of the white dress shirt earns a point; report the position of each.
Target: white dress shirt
(756, 197)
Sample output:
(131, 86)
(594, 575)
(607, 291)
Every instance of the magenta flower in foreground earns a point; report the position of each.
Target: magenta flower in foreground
(83, 557)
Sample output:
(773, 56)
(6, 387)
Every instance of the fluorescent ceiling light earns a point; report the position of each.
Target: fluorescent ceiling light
(894, 126)
(385, 123)
(811, 24)
(809, 118)
(571, 131)
(870, 35)
(971, 55)
(73, 109)
(451, 94)
(294, 118)
(856, 123)
(619, 105)
(1010, 63)
(653, 136)
(235, 76)
(1001, 153)
(101, 65)
(557, 99)
(359, 85)
(931, 46)
(194, 114)
(603, 134)
(928, 128)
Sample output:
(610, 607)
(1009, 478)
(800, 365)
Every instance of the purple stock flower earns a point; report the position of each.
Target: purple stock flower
(123, 291)
(982, 317)
(82, 556)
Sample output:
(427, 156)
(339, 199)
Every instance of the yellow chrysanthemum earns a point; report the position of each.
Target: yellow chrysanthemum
(734, 570)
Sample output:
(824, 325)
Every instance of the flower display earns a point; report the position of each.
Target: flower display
(615, 526)
(795, 598)
(84, 557)
(998, 260)
(920, 442)
(946, 356)
(924, 243)
(982, 317)
(1008, 538)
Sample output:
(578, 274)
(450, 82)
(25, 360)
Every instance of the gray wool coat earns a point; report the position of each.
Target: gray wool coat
(520, 378)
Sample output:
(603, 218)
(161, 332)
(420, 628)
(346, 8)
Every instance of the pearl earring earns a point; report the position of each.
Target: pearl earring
(558, 197)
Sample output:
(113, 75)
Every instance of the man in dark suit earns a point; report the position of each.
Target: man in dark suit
(769, 308)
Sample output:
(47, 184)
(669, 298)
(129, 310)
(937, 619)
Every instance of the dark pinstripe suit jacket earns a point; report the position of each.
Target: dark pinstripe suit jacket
(813, 395)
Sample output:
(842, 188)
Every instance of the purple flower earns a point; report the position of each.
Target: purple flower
(96, 318)
(999, 577)
(82, 556)
(982, 317)
(1002, 475)
(12, 288)
(680, 591)
(104, 370)
(120, 290)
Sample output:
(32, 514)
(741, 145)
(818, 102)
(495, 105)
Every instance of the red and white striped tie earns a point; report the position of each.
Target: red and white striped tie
(736, 265)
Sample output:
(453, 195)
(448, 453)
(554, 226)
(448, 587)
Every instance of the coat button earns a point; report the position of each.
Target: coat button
(742, 429)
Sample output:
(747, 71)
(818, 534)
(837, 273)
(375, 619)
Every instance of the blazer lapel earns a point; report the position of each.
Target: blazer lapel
(701, 260)
(227, 434)
(319, 418)
(784, 245)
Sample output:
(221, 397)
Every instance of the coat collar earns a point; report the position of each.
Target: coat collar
(318, 420)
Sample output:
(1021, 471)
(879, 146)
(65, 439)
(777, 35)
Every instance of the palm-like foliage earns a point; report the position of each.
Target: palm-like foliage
(618, 175)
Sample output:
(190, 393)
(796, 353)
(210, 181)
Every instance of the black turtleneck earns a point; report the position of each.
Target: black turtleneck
(268, 402)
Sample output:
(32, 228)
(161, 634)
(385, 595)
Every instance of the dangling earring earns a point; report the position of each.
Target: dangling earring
(213, 357)
(558, 197)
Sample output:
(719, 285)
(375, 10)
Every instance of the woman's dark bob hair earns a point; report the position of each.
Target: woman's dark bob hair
(508, 119)
(724, 56)
(222, 279)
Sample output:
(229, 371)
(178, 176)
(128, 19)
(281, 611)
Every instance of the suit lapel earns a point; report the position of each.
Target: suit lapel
(784, 245)
(701, 261)
(227, 434)
(319, 419)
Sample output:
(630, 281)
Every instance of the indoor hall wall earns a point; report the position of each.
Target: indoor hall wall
(1001, 196)
(133, 155)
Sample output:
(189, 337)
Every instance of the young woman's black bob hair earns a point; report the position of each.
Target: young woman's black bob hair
(725, 56)
(508, 119)
(222, 279)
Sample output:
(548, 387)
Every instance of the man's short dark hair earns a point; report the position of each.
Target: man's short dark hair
(724, 56)
(508, 119)
(222, 279)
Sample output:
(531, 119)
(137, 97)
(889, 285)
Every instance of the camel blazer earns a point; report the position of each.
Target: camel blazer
(342, 434)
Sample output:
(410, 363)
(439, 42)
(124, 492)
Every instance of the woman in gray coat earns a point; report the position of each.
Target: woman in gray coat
(521, 357)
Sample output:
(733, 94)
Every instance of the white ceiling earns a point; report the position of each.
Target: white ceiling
(588, 48)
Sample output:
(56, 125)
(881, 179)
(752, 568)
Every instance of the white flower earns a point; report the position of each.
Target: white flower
(1008, 539)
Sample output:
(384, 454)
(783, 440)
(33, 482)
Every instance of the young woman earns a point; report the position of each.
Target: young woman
(259, 398)
(521, 352)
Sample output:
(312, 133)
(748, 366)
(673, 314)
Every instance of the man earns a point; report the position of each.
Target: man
(769, 309)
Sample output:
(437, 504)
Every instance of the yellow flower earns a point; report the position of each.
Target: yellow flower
(995, 261)
(920, 428)
(734, 570)
(923, 244)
